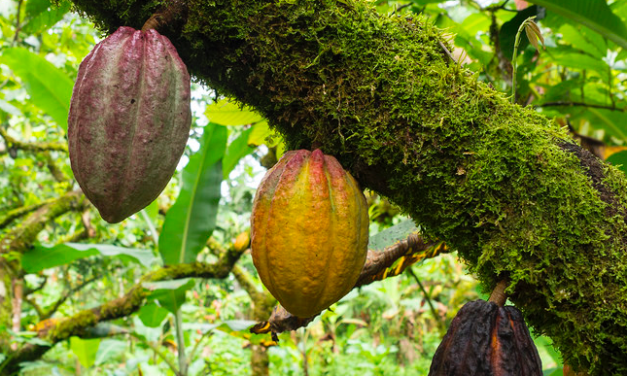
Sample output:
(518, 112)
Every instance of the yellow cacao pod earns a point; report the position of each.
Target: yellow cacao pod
(309, 231)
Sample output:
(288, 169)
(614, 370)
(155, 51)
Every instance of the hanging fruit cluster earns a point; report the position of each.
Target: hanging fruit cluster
(487, 339)
(309, 231)
(129, 121)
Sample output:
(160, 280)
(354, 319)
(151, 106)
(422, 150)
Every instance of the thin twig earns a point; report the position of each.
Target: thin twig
(580, 104)
(437, 317)
(158, 352)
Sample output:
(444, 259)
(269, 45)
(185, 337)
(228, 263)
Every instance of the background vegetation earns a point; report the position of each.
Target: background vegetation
(69, 260)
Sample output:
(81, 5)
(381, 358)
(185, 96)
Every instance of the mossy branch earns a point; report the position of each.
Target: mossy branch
(503, 185)
(22, 236)
(31, 146)
(77, 325)
(21, 211)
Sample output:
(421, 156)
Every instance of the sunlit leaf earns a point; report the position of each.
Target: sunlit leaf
(85, 350)
(169, 294)
(226, 112)
(152, 315)
(236, 150)
(191, 220)
(47, 18)
(50, 88)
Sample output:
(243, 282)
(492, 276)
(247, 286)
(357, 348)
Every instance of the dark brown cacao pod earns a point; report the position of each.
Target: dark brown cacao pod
(487, 340)
(129, 121)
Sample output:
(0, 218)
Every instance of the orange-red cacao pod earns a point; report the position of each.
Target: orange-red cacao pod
(309, 231)
(129, 121)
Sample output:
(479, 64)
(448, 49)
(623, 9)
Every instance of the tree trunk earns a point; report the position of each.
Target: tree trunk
(259, 361)
(501, 184)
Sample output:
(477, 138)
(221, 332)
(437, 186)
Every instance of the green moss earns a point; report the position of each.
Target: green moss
(490, 178)
(68, 327)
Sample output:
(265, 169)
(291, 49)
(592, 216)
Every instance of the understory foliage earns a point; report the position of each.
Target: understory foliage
(60, 259)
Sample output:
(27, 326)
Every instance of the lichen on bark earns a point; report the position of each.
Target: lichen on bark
(500, 183)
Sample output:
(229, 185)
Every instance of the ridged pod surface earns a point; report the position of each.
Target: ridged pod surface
(487, 340)
(309, 231)
(129, 121)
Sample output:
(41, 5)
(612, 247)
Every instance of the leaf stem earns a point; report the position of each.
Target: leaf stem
(514, 65)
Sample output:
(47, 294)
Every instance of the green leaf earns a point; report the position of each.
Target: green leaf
(226, 112)
(46, 19)
(42, 257)
(619, 159)
(152, 315)
(85, 350)
(507, 33)
(260, 133)
(110, 349)
(595, 14)
(50, 89)
(192, 218)
(9, 108)
(237, 149)
(391, 235)
(580, 61)
(169, 294)
(35, 7)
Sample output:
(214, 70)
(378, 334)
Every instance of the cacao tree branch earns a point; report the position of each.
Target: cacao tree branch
(390, 262)
(23, 210)
(61, 329)
(21, 237)
(53, 309)
(503, 185)
(34, 147)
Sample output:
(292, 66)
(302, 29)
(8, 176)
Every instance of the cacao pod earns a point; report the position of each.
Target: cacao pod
(309, 231)
(129, 121)
(487, 340)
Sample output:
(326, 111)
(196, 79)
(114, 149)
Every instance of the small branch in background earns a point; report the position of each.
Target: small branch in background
(581, 104)
(390, 262)
(42, 284)
(78, 324)
(22, 236)
(89, 228)
(192, 353)
(68, 293)
(400, 8)
(34, 147)
(158, 352)
(16, 213)
(18, 26)
(437, 317)
(56, 172)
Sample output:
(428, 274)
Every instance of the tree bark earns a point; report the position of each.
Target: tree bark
(501, 184)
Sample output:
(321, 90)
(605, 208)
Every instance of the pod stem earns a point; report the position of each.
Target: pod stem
(498, 295)
(164, 17)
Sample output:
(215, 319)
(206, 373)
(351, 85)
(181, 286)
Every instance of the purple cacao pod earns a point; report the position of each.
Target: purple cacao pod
(129, 121)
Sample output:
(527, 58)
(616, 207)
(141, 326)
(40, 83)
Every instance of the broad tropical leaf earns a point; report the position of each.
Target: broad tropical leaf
(192, 218)
(595, 14)
(42, 257)
(50, 89)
